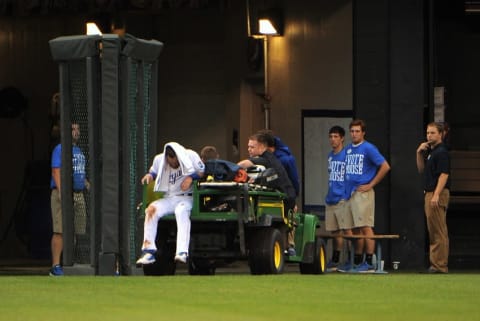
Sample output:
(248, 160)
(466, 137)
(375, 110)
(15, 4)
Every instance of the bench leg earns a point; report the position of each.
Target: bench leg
(379, 268)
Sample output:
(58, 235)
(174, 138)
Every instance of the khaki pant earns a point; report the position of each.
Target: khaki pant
(79, 209)
(437, 230)
(338, 217)
(361, 207)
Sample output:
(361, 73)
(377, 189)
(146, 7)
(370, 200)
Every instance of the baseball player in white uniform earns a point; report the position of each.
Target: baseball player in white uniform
(174, 170)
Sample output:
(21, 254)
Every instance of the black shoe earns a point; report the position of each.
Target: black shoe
(291, 251)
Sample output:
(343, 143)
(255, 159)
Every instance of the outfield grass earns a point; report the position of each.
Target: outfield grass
(330, 297)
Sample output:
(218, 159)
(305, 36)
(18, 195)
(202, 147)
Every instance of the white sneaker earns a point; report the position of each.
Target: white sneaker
(181, 257)
(146, 258)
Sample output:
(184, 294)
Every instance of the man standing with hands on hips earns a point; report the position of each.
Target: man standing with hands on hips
(434, 162)
(365, 168)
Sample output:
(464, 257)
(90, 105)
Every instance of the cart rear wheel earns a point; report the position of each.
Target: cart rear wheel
(318, 266)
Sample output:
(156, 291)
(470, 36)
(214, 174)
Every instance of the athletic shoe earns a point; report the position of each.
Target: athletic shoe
(181, 257)
(291, 251)
(364, 267)
(56, 270)
(148, 257)
(332, 266)
(346, 267)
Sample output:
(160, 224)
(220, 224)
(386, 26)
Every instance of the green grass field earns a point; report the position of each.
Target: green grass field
(335, 296)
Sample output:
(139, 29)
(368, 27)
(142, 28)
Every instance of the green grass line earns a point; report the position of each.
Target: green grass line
(242, 297)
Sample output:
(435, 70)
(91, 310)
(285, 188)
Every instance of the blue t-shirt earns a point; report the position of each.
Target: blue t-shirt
(336, 178)
(78, 164)
(362, 162)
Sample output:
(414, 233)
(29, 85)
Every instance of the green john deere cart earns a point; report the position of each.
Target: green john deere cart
(238, 221)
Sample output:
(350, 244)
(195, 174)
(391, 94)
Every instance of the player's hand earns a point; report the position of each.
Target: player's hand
(147, 179)
(187, 182)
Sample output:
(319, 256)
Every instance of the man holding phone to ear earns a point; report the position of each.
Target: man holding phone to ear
(434, 162)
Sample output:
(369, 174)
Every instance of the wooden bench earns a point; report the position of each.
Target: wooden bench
(465, 179)
(378, 244)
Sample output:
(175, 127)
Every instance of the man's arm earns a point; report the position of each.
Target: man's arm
(442, 181)
(199, 168)
(56, 177)
(420, 159)
(154, 170)
(246, 163)
(382, 171)
(147, 179)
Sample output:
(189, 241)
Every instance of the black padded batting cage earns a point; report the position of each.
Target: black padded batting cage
(108, 86)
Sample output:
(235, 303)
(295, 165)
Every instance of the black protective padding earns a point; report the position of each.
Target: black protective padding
(141, 49)
(107, 264)
(74, 47)
(110, 145)
(94, 150)
(66, 170)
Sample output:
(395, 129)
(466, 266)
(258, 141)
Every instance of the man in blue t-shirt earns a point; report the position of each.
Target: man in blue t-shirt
(336, 219)
(365, 168)
(79, 183)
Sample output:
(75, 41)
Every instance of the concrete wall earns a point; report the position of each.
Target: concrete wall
(311, 66)
(207, 92)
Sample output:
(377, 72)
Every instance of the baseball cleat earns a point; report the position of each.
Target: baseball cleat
(181, 257)
(146, 258)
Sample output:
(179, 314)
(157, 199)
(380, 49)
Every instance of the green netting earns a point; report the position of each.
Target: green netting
(138, 134)
(147, 81)
(79, 115)
(133, 139)
(146, 112)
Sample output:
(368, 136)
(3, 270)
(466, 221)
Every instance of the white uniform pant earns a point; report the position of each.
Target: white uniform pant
(181, 206)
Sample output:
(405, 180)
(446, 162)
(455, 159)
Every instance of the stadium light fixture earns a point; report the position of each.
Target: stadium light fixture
(92, 29)
(270, 22)
(265, 27)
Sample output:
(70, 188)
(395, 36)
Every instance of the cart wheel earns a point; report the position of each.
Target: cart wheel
(318, 266)
(266, 252)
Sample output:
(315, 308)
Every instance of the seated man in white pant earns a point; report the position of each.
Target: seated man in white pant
(174, 170)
